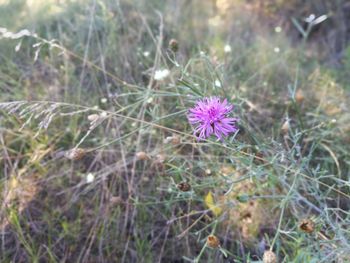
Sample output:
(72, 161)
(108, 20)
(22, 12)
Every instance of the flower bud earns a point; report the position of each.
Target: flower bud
(307, 226)
(116, 200)
(174, 45)
(93, 117)
(184, 186)
(75, 154)
(141, 156)
(285, 127)
(299, 96)
(269, 257)
(174, 140)
(160, 158)
(213, 241)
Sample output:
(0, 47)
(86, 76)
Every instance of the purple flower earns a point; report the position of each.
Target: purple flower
(210, 116)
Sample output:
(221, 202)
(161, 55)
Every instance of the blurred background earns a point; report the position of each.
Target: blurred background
(98, 162)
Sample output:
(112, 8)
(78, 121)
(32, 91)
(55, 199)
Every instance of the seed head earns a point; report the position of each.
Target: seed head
(269, 257)
(213, 241)
(160, 158)
(141, 156)
(116, 200)
(227, 170)
(174, 140)
(285, 127)
(299, 96)
(75, 154)
(259, 158)
(307, 226)
(184, 186)
(93, 117)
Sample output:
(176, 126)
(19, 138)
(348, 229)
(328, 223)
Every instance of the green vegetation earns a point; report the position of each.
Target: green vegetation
(98, 160)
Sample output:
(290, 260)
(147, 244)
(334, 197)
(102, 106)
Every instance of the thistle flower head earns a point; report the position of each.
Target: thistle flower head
(210, 116)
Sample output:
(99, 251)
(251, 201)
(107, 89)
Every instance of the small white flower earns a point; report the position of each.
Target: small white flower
(202, 53)
(18, 46)
(278, 29)
(167, 139)
(146, 54)
(161, 74)
(103, 100)
(227, 49)
(103, 114)
(93, 117)
(310, 18)
(276, 49)
(149, 100)
(208, 171)
(90, 178)
(217, 83)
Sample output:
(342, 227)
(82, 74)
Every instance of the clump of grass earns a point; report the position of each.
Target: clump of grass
(143, 187)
